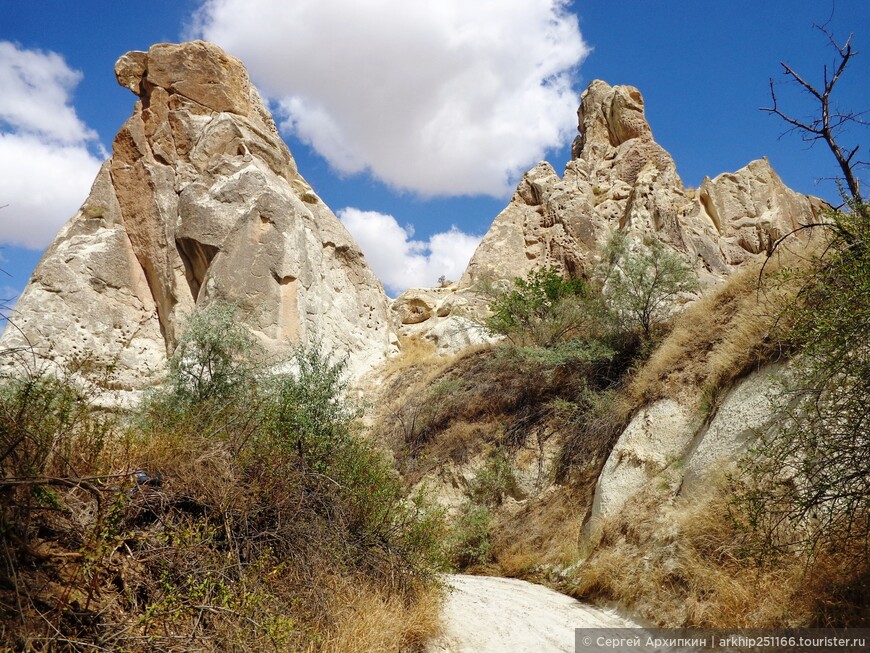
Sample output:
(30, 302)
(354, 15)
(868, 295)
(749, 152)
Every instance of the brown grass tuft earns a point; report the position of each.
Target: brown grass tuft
(546, 531)
(413, 352)
(371, 621)
(681, 563)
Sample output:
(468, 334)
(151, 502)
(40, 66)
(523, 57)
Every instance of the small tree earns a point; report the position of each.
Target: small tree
(216, 357)
(309, 409)
(641, 288)
(541, 309)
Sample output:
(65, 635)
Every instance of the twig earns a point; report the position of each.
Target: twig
(256, 624)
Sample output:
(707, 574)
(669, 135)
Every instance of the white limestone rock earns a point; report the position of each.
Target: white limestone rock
(654, 442)
(742, 416)
(447, 317)
(667, 446)
(201, 201)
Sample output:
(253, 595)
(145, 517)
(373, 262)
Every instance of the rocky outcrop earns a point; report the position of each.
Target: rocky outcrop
(201, 201)
(752, 208)
(668, 447)
(619, 178)
(444, 317)
(652, 443)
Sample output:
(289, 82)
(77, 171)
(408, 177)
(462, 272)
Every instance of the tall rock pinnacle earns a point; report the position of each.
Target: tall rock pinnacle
(201, 201)
(619, 178)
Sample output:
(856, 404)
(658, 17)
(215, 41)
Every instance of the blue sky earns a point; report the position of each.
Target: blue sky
(414, 123)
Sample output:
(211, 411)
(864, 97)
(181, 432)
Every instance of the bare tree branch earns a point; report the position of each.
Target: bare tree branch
(828, 123)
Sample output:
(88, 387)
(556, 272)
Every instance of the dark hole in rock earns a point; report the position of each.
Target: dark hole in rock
(197, 258)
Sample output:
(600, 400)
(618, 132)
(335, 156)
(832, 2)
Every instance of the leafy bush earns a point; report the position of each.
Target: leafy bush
(216, 359)
(312, 427)
(559, 323)
(51, 440)
(48, 427)
(809, 479)
(493, 481)
(231, 512)
(470, 543)
(541, 309)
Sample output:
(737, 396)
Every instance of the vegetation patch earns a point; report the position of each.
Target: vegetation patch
(235, 510)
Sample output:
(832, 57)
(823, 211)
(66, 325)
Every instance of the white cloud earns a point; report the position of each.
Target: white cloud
(36, 94)
(43, 185)
(46, 168)
(401, 262)
(443, 98)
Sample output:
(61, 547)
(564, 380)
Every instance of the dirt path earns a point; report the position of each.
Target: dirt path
(502, 615)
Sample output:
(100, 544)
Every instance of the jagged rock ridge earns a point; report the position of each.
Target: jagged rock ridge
(200, 201)
(620, 178)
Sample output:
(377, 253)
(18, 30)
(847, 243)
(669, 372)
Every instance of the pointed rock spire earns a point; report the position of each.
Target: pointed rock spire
(201, 201)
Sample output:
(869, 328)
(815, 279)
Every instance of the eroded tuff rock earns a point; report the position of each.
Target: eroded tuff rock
(442, 316)
(620, 178)
(670, 449)
(200, 201)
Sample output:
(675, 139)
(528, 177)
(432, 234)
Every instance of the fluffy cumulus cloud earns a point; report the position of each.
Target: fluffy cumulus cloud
(46, 168)
(401, 262)
(442, 98)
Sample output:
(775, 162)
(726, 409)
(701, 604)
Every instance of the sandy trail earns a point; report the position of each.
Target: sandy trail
(484, 614)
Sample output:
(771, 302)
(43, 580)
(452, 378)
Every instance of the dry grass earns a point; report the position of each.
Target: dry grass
(677, 567)
(500, 391)
(515, 400)
(410, 409)
(371, 621)
(461, 441)
(722, 337)
(545, 532)
(414, 352)
(681, 563)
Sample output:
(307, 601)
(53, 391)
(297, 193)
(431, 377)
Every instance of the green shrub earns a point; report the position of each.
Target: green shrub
(307, 412)
(565, 321)
(48, 426)
(639, 288)
(541, 309)
(312, 430)
(258, 503)
(469, 542)
(216, 359)
(494, 480)
(51, 440)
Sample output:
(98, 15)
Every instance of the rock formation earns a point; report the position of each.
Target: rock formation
(201, 201)
(620, 178)
(667, 445)
(442, 316)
